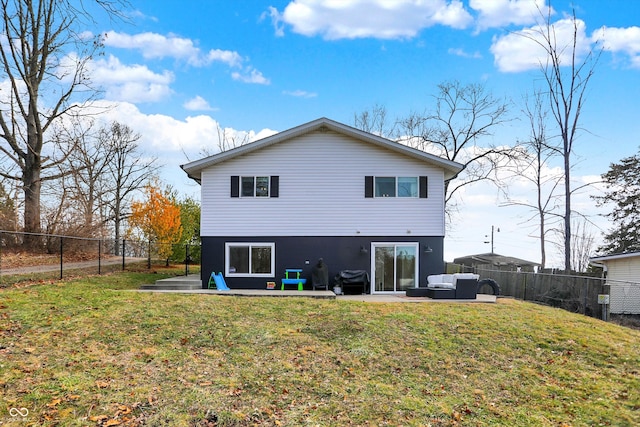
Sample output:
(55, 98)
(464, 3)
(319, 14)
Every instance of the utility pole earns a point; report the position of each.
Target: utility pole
(497, 230)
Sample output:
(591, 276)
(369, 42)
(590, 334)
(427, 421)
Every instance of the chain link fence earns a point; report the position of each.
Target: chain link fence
(36, 256)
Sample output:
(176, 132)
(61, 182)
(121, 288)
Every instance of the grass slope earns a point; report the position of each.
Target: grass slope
(88, 352)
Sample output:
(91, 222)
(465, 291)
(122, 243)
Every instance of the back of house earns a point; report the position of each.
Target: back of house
(323, 190)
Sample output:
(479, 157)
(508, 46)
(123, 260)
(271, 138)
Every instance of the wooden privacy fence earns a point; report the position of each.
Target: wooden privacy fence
(578, 294)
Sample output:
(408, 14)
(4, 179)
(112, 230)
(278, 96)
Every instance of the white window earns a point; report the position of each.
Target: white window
(254, 186)
(408, 186)
(390, 186)
(250, 259)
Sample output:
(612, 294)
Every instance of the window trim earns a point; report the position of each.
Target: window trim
(229, 245)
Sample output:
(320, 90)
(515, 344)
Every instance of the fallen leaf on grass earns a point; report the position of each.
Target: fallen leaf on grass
(53, 403)
(102, 384)
(123, 410)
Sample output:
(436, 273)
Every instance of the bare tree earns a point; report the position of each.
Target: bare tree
(566, 77)
(8, 220)
(126, 172)
(227, 139)
(373, 121)
(463, 117)
(86, 185)
(533, 167)
(43, 57)
(583, 244)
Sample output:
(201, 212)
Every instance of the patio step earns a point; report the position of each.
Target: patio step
(190, 282)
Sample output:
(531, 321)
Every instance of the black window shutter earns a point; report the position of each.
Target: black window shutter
(274, 191)
(368, 186)
(235, 186)
(423, 187)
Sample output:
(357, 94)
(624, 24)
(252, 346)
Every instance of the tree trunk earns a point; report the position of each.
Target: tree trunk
(31, 182)
(567, 211)
(116, 226)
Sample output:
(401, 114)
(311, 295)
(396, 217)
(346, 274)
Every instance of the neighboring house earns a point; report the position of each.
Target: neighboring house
(495, 261)
(323, 190)
(623, 277)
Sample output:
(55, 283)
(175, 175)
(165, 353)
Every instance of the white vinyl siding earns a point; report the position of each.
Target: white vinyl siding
(321, 192)
(623, 275)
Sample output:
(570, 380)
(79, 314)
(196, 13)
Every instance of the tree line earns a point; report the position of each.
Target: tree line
(63, 170)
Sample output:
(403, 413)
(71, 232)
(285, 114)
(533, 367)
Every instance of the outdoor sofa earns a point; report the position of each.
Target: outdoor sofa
(448, 286)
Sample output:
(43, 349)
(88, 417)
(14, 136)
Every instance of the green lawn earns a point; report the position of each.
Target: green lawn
(91, 352)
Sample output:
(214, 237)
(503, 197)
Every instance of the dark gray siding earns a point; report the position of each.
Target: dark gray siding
(339, 253)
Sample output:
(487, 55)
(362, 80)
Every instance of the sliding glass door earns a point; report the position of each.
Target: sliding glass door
(395, 266)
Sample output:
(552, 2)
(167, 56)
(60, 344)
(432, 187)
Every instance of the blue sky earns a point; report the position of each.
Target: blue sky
(178, 70)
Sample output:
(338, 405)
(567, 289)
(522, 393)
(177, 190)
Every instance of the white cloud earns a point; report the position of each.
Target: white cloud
(500, 13)
(620, 40)
(383, 19)
(166, 134)
(197, 104)
(250, 75)
(522, 50)
(132, 83)
(276, 20)
(232, 59)
(300, 94)
(464, 54)
(158, 46)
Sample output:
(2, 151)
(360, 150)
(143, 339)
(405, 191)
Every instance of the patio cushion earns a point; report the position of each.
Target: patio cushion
(434, 278)
(465, 276)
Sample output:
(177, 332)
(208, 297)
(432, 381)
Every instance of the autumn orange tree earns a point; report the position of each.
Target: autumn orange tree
(157, 218)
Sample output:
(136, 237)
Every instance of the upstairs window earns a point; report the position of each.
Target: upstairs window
(408, 186)
(254, 186)
(391, 186)
(385, 186)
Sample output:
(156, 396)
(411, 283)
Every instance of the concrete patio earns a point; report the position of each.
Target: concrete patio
(192, 285)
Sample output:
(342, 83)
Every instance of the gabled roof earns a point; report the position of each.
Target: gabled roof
(614, 257)
(194, 169)
(494, 259)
